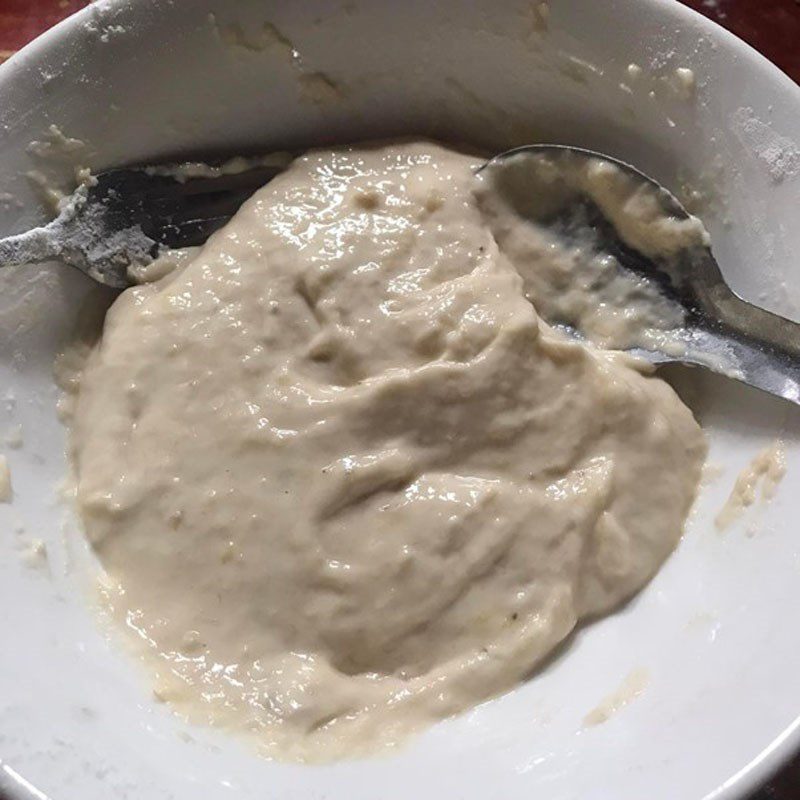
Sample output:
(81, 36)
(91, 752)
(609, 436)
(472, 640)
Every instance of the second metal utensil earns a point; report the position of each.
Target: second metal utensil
(123, 217)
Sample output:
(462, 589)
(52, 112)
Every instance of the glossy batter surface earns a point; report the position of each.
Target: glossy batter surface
(347, 481)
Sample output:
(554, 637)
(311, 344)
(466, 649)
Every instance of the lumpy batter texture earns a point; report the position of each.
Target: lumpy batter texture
(345, 480)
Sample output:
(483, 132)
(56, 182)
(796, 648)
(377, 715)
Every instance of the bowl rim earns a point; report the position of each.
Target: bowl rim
(786, 746)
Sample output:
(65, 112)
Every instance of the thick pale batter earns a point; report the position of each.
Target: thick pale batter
(347, 481)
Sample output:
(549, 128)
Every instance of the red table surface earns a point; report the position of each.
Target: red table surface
(771, 26)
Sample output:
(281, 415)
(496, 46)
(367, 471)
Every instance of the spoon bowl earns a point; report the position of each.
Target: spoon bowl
(716, 328)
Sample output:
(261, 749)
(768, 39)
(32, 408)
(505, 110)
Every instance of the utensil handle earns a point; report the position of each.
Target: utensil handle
(31, 247)
(766, 345)
(756, 323)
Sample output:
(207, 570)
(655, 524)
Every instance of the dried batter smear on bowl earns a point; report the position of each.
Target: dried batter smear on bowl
(343, 478)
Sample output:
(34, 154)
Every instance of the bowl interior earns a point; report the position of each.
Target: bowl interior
(137, 81)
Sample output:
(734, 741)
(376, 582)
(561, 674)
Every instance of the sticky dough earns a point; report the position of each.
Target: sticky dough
(344, 480)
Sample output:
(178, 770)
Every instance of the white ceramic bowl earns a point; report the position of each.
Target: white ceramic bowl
(715, 631)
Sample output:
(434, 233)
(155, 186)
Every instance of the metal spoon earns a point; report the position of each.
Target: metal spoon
(126, 216)
(720, 331)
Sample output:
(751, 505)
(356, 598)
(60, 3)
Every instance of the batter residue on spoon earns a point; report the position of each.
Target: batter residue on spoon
(346, 480)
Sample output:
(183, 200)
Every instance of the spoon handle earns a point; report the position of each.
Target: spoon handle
(745, 319)
(31, 247)
(765, 346)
